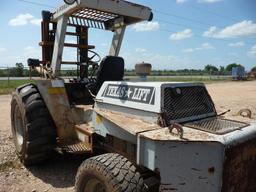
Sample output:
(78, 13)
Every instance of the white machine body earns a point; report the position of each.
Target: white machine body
(203, 156)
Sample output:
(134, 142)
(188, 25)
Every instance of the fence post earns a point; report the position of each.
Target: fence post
(8, 76)
(30, 69)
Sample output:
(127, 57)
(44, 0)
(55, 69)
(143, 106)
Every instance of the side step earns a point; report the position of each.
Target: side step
(77, 148)
(84, 144)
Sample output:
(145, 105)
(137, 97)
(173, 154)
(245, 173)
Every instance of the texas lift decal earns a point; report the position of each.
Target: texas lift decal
(131, 93)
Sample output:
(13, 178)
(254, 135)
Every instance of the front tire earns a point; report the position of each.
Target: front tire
(107, 173)
(33, 130)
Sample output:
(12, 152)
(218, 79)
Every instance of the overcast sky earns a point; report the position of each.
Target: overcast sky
(183, 34)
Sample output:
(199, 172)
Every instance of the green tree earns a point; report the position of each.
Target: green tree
(17, 71)
(254, 69)
(210, 68)
(230, 66)
(222, 70)
(2, 73)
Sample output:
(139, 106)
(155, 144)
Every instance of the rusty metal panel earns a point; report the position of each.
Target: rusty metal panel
(189, 134)
(128, 124)
(104, 126)
(230, 158)
(145, 116)
(56, 100)
(239, 173)
(184, 166)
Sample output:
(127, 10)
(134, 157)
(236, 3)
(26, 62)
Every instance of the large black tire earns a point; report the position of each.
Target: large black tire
(33, 130)
(107, 173)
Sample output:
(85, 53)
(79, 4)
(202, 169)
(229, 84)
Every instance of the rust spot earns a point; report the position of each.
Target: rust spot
(176, 129)
(245, 113)
(198, 135)
(211, 170)
(128, 123)
(165, 187)
(99, 119)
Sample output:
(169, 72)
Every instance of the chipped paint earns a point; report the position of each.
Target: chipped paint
(56, 91)
(131, 125)
(99, 119)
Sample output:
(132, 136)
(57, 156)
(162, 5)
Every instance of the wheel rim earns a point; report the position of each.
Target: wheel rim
(94, 185)
(18, 129)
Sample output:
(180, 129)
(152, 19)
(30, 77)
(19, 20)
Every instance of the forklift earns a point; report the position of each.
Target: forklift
(141, 136)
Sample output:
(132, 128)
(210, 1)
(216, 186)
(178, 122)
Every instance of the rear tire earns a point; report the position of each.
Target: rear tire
(33, 130)
(107, 173)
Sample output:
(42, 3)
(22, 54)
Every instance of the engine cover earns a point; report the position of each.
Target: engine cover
(177, 102)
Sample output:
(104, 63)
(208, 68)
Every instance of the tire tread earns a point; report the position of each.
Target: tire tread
(118, 170)
(40, 129)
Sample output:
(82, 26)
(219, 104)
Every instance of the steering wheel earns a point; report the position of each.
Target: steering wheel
(94, 59)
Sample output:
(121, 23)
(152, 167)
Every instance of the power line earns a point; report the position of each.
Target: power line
(161, 12)
(214, 13)
(179, 24)
(38, 4)
(183, 18)
(172, 31)
(194, 20)
(189, 26)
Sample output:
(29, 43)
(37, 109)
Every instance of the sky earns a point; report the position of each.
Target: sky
(183, 34)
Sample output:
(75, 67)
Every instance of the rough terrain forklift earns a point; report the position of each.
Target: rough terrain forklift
(148, 136)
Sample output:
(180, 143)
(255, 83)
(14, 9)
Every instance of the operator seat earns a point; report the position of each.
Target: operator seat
(111, 69)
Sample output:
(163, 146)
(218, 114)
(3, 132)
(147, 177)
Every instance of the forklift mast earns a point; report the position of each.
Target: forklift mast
(48, 32)
(81, 15)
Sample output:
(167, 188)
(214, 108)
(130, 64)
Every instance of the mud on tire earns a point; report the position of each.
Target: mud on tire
(108, 172)
(33, 130)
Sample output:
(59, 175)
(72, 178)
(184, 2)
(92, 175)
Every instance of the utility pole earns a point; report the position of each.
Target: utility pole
(8, 76)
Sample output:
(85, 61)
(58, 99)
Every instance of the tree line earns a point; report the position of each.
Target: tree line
(20, 71)
(208, 70)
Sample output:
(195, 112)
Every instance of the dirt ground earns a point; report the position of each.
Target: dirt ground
(59, 174)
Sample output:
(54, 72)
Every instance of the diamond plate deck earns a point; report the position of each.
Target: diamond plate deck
(216, 125)
(76, 148)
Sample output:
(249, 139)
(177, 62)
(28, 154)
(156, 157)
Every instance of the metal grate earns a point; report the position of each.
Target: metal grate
(183, 104)
(84, 22)
(94, 15)
(216, 125)
(76, 148)
(91, 18)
